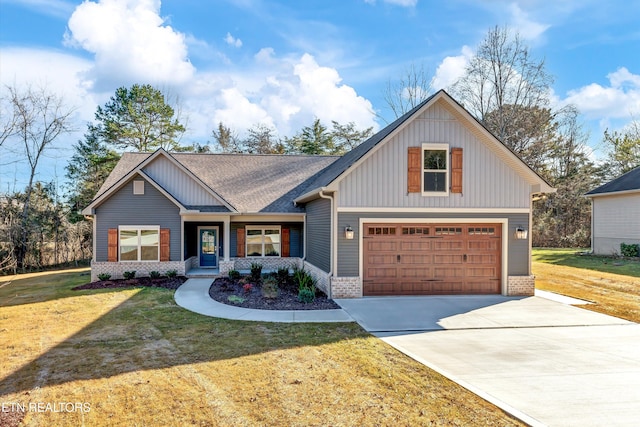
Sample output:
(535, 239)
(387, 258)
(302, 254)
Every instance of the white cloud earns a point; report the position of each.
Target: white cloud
(232, 41)
(451, 69)
(620, 99)
(527, 28)
(130, 43)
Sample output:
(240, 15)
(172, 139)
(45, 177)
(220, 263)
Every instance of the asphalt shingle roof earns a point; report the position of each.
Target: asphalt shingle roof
(628, 182)
(248, 182)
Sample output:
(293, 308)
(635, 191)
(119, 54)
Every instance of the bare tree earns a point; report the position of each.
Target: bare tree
(502, 81)
(413, 87)
(226, 140)
(40, 118)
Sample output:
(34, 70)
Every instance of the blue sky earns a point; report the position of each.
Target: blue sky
(282, 63)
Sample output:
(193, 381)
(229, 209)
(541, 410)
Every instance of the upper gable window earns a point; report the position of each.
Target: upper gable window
(138, 187)
(435, 169)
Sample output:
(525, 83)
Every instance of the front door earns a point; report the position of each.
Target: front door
(208, 246)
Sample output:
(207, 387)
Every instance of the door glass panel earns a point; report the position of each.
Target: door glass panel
(208, 242)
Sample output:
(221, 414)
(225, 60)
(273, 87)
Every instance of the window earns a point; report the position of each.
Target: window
(263, 241)
(435, 169)
(138, 187)
(139, 243)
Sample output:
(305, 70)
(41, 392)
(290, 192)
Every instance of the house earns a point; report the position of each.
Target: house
(431, 204)
(615, 213)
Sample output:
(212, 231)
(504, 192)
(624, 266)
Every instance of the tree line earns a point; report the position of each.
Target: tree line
(503, 86)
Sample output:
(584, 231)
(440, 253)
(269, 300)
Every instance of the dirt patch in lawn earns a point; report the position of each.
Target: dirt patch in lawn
(161, 282)
(233, 292)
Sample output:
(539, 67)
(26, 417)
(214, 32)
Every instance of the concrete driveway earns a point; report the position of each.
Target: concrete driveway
(546, 362)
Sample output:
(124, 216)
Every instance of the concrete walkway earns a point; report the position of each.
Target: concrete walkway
(194, 296)
(545, 362)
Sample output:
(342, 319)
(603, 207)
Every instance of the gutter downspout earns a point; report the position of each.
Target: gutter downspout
(332, 240)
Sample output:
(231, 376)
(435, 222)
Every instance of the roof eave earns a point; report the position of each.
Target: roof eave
(310, 195)
(613, 193)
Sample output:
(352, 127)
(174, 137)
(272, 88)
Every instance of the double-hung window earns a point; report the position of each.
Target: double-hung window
(139, 243)
(435, 169)
(263, 241)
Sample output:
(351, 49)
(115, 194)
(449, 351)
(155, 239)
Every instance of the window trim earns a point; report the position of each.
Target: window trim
(138, 228)
(263, 228)
(441, 147)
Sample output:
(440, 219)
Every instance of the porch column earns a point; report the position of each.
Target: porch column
(227, 238)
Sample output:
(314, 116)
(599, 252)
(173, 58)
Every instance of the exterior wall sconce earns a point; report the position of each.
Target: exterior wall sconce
(348, 232)
(521, 233)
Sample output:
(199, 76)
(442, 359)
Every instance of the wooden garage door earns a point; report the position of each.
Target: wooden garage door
(428, 259)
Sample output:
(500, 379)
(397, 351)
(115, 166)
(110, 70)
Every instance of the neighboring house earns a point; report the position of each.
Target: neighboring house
(428, 205)
(615, 213)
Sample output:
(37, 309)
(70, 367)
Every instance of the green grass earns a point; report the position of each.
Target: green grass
(139, 359)
(579, 258)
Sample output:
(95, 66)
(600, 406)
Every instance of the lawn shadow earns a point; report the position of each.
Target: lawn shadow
(149, 331)
(20, 289)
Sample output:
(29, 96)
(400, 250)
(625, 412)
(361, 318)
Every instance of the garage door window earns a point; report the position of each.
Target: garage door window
(435, 169)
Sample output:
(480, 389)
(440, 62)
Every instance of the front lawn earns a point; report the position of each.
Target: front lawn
(133, 357)
(613, 285)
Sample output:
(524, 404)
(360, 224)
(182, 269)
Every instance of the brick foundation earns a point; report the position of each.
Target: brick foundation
(322, 278)
(346, 287)
(142, 269)
(521, 285)
(267, 263)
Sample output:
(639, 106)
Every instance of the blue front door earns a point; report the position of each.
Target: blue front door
(208, 247)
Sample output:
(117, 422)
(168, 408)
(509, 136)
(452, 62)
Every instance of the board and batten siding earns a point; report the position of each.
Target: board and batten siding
(179, 184)
(381, 180)
(319, 234)
(349, 255)
(616, 220)
(125, 208)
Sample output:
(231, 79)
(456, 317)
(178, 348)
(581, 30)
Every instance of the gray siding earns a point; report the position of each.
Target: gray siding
(125, 208)
(381, 180)
(615, 220)
(318, 234)
(349, 255)
(179, 184)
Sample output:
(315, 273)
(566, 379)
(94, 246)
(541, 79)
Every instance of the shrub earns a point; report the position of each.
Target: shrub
(171, 273)
(247, 287)
(104, 276)
(629, 250)
(154, 274)
(235, 299)
(306, 295)
(270, 288)
(306, 286)
(256, 271)
(128, 275)
(234, 274)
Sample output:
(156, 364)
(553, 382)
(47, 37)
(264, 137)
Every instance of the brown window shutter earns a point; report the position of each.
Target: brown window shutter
(456, 170)
(240, 243)
(415, 170)
(285, 242)
(165, 238)
(112, 245)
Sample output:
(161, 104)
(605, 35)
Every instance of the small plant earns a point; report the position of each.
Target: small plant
(270, 288)
(306, 295)
(629, 250)
(247, 287)
(154, 274)
(306, 286)
(171, 273)
(104, 276)
(235, 299)
(234, 274)
(128, 275)
(256, 271)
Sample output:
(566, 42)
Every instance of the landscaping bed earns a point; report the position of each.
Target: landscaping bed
(276, 291)
(160, 282)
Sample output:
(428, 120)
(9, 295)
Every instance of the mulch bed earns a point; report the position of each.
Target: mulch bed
(223, 287)
(162, 282)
